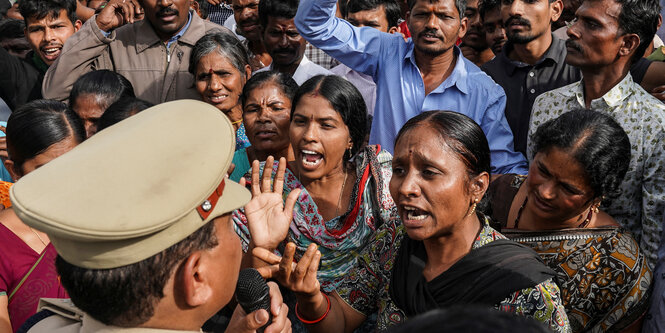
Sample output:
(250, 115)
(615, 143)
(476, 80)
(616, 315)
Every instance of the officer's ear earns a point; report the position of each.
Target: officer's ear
(193, 280)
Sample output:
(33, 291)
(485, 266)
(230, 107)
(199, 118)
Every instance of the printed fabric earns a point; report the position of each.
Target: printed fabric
(366, 287)
(641, 206)
(603, 275)
(341, 239)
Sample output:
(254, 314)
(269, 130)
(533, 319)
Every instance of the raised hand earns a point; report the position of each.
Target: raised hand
(298, 277)
(118, 13)
(268, 217)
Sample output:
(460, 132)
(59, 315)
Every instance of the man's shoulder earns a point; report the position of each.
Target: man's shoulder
(479, 81)
(559, 94)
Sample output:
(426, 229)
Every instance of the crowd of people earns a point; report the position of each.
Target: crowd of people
(386, 165)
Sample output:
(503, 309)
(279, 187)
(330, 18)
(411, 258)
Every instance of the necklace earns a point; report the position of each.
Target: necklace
(36, 234)
(581, 225)
(339, 201)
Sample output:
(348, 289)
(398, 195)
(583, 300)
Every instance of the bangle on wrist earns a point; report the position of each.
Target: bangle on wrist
(309, 322)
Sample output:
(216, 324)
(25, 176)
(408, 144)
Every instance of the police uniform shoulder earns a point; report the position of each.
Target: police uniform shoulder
(64, 316)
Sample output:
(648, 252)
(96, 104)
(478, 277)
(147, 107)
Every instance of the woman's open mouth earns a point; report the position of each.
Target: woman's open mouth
(310, 159)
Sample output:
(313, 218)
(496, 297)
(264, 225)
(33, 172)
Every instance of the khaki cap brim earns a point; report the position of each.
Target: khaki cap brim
(134, 189)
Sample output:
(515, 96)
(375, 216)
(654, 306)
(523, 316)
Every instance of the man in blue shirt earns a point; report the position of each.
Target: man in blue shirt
(424, 73)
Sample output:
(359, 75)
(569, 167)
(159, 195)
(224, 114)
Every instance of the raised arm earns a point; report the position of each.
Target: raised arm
(359, 48)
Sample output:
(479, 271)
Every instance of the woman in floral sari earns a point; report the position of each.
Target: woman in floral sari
(580, 159)
(36, 133)
(340, 187)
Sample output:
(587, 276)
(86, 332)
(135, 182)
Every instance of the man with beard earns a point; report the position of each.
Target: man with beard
(474, 45)
(282, 40)
(608, 36)
(426, 72)
(152, 53)
(531, 62)
(48, 24)
(490, 15)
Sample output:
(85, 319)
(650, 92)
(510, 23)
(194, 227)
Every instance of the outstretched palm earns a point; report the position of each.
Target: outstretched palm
(268, 217)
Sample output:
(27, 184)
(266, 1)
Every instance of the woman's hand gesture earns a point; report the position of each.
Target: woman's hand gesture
(268, 217)
(298, 277)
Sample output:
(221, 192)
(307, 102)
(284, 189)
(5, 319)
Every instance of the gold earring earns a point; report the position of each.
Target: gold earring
(473, 207)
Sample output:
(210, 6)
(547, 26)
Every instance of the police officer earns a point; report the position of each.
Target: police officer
(140, 217)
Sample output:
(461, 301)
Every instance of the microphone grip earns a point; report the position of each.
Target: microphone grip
(253, 293)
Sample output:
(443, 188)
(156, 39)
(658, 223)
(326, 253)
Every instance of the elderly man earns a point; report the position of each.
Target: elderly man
(156, 251)
(427, 72)
(152, 53)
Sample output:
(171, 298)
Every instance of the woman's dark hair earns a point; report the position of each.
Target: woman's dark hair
(226, 44)
(460, 133)
(121, 110)
(109, 85)
(344, 98)
(284, 81)
(595, 141)
(130, 292)
(37, 125)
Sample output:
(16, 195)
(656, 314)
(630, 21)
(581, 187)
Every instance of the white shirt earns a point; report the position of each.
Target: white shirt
(306, 69)
(363, 82)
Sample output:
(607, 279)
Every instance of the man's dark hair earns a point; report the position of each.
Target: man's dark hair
(126, 296)
(485, 6)
(459, 4)
(639, 17)
(595, 141)
(12, 28)
(345, 99)
(277, 8)
(391, 8)
(39, 9)
(4, 7)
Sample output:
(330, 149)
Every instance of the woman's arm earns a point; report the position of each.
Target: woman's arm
(5, 324)
(321, 313)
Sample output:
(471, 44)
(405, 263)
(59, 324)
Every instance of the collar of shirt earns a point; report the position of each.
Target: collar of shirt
(146, 36)
(556, 53)
(456, 78)
(613, 97)
(303, 62)
(180, 33)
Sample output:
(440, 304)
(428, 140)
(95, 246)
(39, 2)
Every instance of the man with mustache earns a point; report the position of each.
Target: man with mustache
(48, 24)
(474, 46)
(607, 37)
(283, 41)
(152, 53)
(426, 72)
(531, 62)
(246, 15)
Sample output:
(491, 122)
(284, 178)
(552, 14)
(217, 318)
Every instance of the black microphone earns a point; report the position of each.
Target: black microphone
(253, 293)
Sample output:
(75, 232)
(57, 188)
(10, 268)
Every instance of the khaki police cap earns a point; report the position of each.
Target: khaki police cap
(135, 188)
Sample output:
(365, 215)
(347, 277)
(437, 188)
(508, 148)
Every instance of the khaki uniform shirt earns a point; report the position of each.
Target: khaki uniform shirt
(69, 319)
(134, 50)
